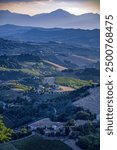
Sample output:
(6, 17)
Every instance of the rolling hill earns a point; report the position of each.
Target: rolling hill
(34, 143)
(59, 35)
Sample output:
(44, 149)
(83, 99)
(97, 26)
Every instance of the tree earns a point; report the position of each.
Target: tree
(41, 131)
(67, 131)
(89, 142)
(83, 115)
(1, 109)
(5, 133)
(71, 122)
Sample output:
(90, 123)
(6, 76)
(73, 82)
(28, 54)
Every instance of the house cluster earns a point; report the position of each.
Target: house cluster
(51, 89)
(47, 127)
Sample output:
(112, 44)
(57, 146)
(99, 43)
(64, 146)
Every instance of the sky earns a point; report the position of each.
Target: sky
(32, 7)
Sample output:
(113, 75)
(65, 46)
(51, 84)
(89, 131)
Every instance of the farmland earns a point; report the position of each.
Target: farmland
(72, 82)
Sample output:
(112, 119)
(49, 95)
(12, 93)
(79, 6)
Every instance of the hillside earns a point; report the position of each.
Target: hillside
(57, 52)
(34, 143)
(90, 102)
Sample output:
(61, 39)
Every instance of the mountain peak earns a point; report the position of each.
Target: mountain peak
(60, 12)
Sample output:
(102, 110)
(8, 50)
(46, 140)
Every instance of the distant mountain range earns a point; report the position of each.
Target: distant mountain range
(56, 19)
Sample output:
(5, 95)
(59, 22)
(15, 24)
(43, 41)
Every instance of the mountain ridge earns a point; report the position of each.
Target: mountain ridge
(55, 19)
(57, 10)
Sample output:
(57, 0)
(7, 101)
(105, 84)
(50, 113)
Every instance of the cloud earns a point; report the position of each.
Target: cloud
(8, 1)
(18, 1)
(81, 1)
(33, 7)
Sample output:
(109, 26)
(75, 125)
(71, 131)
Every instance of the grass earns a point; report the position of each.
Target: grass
(35, 143)
(19, 86)
(32, 72)
(7, 146)
(6, 69)
(72, 82)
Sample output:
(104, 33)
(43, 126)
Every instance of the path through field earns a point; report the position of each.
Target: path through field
(85, 58)
(60, 68)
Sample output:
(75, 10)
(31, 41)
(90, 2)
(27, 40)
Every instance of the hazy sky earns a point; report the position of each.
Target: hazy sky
(32, 7)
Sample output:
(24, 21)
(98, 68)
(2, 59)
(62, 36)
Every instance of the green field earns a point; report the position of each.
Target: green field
(32, 72)
(34, 143)
(14, 84)
(72, 82)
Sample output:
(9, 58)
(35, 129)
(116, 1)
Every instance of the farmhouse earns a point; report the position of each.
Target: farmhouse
(46, 123)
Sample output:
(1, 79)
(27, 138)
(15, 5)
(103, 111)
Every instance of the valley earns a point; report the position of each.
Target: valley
(49, 86)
